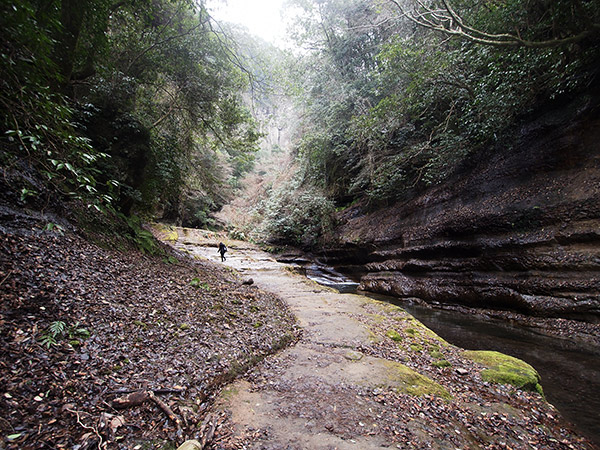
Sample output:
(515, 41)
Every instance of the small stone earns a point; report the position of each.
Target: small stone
(190, 445)
(248, 282)
(352, 355)
(461, 371)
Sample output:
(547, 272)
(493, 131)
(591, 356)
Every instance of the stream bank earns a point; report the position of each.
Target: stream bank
(565, 352)
(366, 374)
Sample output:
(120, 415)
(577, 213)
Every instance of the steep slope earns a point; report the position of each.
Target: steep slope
(519, 229)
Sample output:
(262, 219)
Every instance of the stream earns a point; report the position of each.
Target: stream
(570, 372)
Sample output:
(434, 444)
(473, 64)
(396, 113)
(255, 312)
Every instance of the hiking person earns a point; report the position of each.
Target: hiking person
(222, 250)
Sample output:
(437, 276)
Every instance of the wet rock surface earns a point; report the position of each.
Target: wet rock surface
(350, 382)
(518, 230)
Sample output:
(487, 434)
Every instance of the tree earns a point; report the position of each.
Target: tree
(581, 23)
(148, 83)
(395, 107)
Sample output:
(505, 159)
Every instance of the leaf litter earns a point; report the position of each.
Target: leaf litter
(132, 324)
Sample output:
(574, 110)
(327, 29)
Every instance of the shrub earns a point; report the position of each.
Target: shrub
(298, 215)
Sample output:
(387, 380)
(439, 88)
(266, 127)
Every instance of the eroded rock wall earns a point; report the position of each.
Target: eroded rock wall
(519, 229)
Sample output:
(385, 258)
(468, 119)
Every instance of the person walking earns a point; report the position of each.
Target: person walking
(222, 250)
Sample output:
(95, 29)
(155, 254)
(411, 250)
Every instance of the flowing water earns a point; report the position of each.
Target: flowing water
(570, 371)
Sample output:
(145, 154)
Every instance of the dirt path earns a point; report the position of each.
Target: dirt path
(367, 375)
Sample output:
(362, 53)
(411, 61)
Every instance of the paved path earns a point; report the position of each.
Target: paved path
(321, 373)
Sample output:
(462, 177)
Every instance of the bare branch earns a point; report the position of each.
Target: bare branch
(449, 22)
(164, 41)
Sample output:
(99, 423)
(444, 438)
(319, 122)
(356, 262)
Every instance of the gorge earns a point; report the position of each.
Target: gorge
(517, 230)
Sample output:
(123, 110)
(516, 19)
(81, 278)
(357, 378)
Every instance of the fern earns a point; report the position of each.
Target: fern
(58, 330)
(54, 332)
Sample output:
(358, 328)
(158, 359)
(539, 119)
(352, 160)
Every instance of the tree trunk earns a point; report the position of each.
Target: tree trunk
(72, 13)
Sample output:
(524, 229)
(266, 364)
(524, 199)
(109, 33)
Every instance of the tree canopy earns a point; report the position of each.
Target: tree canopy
(152, 107)
(136, 104)
(395, 106)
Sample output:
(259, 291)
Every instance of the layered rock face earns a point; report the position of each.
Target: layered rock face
(518, 230)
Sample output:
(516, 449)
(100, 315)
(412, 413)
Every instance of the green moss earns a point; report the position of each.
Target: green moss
(377, 318)
(506, 369)
(166, 232)
(434, 351)
(416, 347)
(374, 338)
(393, 335)
(441, 363)
(436, 354)
(410, 382)
(390, 308)
(411, 331)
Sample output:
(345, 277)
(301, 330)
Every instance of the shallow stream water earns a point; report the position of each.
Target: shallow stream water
(570, 371)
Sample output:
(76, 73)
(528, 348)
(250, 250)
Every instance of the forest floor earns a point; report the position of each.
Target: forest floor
(365, 374)
(105, 348)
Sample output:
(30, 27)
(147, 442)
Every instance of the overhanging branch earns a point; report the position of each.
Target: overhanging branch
(446, 20)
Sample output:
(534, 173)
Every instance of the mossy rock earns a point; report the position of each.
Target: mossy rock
(505, 369)
(166, 232)
(394, 335)
(407, 381)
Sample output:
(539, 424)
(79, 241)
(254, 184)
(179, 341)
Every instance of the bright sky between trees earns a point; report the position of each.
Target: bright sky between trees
(262, 17)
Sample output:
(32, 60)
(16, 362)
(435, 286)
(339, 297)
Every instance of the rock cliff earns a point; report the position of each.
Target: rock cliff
(519, 229)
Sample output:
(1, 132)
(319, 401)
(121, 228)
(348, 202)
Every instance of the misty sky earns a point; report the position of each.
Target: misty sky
(261, 17)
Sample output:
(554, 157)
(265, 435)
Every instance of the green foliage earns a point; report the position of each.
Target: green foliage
(38, 125)
(197, 282)
(392, 109)
(54, 227)
(142, 238)
(136, 105)
(297, 215)
(59, 330)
